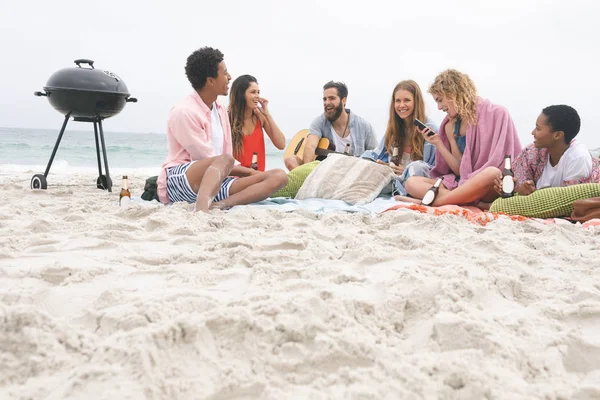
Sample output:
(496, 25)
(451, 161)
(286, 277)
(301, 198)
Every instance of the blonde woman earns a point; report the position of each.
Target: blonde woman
(488, 133)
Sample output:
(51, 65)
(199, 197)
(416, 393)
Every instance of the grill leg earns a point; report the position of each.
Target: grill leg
(97, 148)
(62, 130)
(109, 182)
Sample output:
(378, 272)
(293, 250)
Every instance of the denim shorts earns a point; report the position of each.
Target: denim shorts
(179, 189)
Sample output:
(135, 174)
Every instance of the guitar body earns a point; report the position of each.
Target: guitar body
(296, 146)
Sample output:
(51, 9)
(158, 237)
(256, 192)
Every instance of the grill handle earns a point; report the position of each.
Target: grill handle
(84, 61)
(40, 94)
(131, 100)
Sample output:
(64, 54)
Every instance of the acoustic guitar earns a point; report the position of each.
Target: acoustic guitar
(296, 146)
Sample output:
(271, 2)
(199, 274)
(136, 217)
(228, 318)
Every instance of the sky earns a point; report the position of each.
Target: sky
(522, 54)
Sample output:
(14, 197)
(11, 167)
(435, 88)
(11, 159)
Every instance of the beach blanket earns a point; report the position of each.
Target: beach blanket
(488, 142)
(477, 216)
(380, 205)
(321, 206)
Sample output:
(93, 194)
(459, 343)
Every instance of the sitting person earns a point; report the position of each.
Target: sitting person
(199, 157)
(554, 158)
(249, 115)
(489, 134)
(336, 124)
(417, 157)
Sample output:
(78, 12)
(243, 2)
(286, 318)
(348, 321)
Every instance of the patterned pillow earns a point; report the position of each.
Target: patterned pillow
(351, 179)
(296, 178)
(547, 203)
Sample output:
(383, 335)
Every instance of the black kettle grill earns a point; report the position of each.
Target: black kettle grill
(86, 95)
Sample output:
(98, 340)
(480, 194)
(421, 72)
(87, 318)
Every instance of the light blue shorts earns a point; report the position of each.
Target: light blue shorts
(179, 189)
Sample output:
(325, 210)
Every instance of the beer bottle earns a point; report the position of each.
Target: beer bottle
(508, 184)
(125, 195)
(347, 149)
(431, 193)
(395, 159)
(254, 164)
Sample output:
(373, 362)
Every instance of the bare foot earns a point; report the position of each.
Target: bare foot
(203, 204)
(220, 205)
(407, 199)
(483, 205)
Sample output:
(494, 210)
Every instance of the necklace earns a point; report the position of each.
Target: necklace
(346, 127)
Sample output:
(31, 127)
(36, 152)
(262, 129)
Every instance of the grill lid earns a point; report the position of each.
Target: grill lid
(86, 79)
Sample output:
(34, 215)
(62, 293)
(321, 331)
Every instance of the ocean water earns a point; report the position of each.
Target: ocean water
(77, 150)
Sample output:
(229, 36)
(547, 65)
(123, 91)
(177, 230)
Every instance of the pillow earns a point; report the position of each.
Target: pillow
(296, 178)
(547, 203)
(351, 179)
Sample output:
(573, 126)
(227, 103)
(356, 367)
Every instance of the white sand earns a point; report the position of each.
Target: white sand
(101, 302)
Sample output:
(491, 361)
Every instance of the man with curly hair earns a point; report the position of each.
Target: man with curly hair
(200, 167)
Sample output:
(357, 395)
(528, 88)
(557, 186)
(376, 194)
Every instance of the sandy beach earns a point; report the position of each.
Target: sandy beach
(152, 302)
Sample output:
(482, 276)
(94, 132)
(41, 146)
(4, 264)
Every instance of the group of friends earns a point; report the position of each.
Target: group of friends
(211, 149)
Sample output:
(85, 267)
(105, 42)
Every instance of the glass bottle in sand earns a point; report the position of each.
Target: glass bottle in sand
(125, 195)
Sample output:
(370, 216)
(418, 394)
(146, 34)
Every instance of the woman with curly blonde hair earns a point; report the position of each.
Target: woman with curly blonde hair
(417, 157)
(475, 136)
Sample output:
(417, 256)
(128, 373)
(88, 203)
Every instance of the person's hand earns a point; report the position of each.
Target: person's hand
(398, 169)
(264, 106)
(498, 184)
(261, 114)
(434, 139)
(526, 188)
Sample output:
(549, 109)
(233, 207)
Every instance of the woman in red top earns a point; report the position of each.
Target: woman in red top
(249, 115)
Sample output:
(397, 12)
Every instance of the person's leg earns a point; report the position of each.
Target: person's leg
(478, 187)
(415, 168)
(251, 189)
(292, 162)
(416, 187)
(205, 177)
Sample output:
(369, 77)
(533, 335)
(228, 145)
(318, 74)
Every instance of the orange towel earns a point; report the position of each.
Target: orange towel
(473, 214)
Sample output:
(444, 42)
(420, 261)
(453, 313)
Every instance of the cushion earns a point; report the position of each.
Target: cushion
(547, 203)
(296, 178)
(351, 179)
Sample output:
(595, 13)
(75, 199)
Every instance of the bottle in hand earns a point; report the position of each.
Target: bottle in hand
(254, 164)
(125, 195)
(508, 183)
(395, 159)
(431, 193)
(347, 149)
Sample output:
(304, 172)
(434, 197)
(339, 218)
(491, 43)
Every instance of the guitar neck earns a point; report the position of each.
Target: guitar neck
(326, 152)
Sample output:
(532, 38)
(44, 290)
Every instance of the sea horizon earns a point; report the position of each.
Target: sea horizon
(32, 148)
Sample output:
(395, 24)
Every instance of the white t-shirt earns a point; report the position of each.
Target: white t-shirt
(575, 163)
(340, 144)
(217, 131)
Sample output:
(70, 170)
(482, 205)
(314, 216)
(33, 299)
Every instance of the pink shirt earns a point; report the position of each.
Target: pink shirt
(189, 136)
